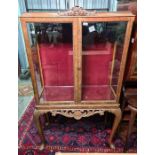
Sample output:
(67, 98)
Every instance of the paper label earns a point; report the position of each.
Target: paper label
(92, 28)
(85, 24)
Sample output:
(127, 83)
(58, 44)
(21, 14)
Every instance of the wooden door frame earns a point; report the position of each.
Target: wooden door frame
(24, 22)
(129, 21)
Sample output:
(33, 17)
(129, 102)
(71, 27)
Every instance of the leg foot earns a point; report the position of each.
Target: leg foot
(118, 115)
(42, 146)
(112, 146)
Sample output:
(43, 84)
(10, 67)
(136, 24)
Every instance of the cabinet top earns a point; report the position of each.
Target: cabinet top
(70, 14)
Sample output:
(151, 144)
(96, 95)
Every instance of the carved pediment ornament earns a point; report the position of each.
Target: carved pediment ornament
(77, 114)
(77, 11)
(80, 113)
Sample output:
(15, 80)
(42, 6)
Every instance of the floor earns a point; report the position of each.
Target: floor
(60, 153)
(25, 95)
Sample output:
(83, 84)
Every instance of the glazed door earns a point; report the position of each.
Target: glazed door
(52, 50)
(102, 48)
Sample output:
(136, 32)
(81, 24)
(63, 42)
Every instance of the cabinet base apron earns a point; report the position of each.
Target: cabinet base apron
(78, 114)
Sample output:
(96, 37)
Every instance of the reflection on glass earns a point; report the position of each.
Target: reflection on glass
(135, 69)
(53, 44)
(102, 47)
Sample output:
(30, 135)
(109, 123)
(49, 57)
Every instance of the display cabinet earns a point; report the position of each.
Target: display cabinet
(79, 62)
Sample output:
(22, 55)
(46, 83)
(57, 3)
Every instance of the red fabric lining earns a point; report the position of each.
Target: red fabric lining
(57, 65)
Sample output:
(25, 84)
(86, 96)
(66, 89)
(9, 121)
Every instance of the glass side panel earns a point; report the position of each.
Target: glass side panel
(102, 47)
(33, 44)
(54, 45)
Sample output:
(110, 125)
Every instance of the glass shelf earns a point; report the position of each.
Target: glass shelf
(58, 93)
(99, 92)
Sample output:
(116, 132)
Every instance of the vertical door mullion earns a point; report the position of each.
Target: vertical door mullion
(79, 32)
(77, 59)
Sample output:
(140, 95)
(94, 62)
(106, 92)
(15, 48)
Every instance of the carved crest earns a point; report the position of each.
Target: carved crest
(77, 11)
(77, 114)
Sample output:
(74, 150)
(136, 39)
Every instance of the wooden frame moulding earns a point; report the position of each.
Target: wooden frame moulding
(124, 57)
(83, 102)
(77, 106)
(75, 56)
(40, 66)
(112, 68)
(29, 55)
(79, 61)
(129, 21)
(113, 91)
(98, 14)
(113, 62)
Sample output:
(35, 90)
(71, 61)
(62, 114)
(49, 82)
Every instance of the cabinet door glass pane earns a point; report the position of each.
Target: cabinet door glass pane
(102, 47)
(54, 51)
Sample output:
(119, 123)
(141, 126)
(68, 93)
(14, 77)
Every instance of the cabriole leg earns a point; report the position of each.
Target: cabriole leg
(118, 115)
(39, 127)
